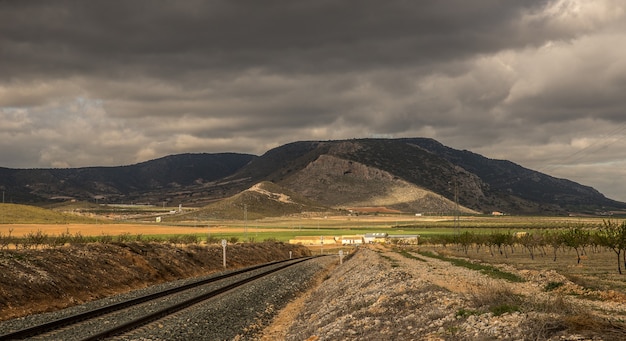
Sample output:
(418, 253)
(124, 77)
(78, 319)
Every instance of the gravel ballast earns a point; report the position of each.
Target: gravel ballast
(239, 314)
(245, 311)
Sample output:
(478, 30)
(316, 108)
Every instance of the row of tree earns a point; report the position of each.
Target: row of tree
(609, 235)
(39, 239)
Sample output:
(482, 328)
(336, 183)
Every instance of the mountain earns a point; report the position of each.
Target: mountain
(417, 175)
(132, 183)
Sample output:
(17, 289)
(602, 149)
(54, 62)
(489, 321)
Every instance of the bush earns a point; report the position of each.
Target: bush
(124, 238)
(6, 240)
(498, 300)
(61, 239)
(553, 286)
(105, 239)
(78, 238)
(504, 309)
(213, 240)
(190, 239)
(35, 239)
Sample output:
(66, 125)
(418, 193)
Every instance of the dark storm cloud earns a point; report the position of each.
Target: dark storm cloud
(172, 38)
(115, 82)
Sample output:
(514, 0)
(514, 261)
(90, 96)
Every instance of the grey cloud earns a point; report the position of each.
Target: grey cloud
(115, 82)
(121, 38)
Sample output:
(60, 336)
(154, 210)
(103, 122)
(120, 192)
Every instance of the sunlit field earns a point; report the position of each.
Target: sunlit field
(21, 220)
(33, 227)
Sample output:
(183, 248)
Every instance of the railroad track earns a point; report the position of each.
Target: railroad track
(122, 317)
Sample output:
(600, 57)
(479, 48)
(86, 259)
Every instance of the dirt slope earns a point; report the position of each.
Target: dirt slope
(33, 281)
(381, 294)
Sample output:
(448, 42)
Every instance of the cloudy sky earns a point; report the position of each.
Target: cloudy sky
(104, 83)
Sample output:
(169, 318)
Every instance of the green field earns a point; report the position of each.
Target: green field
(285, 228)
(24, 214)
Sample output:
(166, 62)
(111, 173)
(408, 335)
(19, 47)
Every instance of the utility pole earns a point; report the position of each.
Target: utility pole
(456, 203)
(245, 221)
(456, 206)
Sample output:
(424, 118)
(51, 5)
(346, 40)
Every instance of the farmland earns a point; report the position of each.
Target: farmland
(465, 236)
(98, 221)
(503, 245)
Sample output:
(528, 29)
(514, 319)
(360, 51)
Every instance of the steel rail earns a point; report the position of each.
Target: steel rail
(134, 324)
(108, 309)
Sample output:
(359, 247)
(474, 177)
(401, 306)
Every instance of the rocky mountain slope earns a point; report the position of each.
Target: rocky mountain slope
(418, 175)
(408, 175)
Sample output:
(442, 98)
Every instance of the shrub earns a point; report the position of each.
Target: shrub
(105, 238)
(61, 239)
(212, 240)
(124, 238)
(6, 240)
(504, 309)
(466, 312)
(498, 300)
(78, 238)
(552, 286)
(190, 239)
(35, 239)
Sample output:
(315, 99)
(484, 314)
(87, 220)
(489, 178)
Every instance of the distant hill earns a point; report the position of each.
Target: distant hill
(264, 199)
(26, 214)
(140, 182)
(417, 175)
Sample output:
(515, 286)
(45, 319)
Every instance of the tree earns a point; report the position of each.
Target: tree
(577, 239)
(554, 239)
(613, 236)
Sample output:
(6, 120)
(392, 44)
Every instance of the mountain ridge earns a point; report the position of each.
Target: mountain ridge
(405, 174)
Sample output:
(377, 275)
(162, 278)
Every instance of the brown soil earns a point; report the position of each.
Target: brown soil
(35, 281)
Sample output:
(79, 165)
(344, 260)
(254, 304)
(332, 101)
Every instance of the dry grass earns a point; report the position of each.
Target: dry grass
(547, 316)
(608, 330)
(497, 300)
(596, 271)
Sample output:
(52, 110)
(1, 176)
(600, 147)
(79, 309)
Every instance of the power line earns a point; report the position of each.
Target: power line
(603, 142)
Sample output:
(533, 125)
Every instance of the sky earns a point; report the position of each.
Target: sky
(109, 83)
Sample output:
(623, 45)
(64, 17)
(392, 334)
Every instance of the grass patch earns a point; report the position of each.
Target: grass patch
(466, 312)
(552, 286)
(24, 214)
(409, 255)
(586, 283)
(488, 270)
(502, 309)
(394, 263)
(589, 326)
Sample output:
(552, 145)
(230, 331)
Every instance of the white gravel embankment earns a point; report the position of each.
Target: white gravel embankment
(383, 295)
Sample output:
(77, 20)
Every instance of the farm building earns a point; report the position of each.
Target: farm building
(377, 237)
(352, 240)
